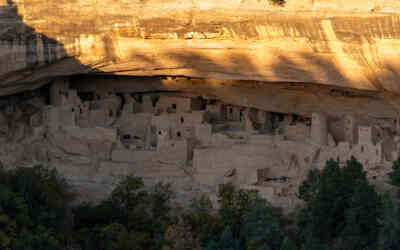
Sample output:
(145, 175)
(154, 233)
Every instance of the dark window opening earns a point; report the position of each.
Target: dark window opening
(126, 137)
(111, 113)
(281, 117)
(182, 120)
(138, 98)
(154, 101)
(230, 110)
(178, 134)
(159, 132)
(362, 149)
(174, 106)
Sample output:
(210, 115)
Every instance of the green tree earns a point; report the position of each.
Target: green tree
(34, 210)
(131, 218)
(262, 226)
(201, 219)
(225, 241)
(395, 174)
(340, 204)
(391, 225)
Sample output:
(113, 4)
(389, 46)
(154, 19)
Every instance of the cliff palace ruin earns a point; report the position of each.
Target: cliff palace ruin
(199, 93)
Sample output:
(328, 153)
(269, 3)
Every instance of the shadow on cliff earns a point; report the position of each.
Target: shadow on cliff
(45, 58)
(30, 59)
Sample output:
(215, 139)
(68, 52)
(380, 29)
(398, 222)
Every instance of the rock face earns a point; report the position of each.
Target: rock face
(199, 93)
(339, 43)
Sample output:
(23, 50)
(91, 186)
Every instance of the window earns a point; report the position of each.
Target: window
(174, 106)
(154, 101)
(159, 132)
(126, 137)
(182, 120)
(230, 110)
(362, 149)
(178, 134)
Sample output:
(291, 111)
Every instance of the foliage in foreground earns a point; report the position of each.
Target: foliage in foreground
(34, 211)
(342, 208)
(342, 211)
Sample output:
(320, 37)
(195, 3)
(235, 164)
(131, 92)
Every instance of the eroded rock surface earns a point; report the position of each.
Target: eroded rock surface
(341, 43)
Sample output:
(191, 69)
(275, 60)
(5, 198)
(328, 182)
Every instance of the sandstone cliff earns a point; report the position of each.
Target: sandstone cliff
(339, 43)
(235, 91)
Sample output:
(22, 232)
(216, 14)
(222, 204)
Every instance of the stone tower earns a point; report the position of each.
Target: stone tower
(319, 129)
(350, 129)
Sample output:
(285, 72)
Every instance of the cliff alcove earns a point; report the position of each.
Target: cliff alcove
(198, 93)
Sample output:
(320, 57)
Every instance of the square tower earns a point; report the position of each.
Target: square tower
(59, 92)
(319, 129)
(350, 127)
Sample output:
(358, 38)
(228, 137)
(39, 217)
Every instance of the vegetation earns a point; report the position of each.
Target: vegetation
(34, 212)
(342, 208)
(278, 2)
(342, 211)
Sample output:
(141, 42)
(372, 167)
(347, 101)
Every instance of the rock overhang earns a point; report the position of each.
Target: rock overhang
(320, 42)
